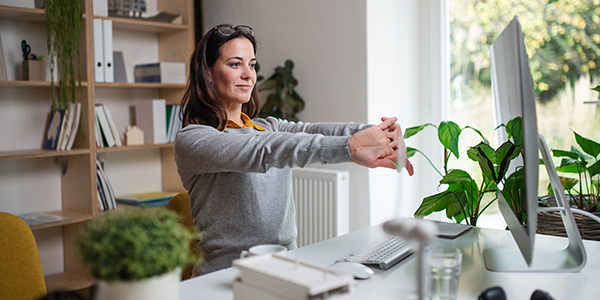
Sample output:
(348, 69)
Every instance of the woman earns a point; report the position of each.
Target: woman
(237, 170)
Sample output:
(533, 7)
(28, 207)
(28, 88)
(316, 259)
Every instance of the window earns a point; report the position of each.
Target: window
(563, 43)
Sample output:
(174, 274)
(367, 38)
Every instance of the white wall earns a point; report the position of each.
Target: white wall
(327, 42)
(357, 60)
(405, 67)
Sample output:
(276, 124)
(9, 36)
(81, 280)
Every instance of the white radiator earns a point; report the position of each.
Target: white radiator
(322, 204)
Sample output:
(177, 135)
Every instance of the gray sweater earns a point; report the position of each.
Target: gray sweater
(240, 184)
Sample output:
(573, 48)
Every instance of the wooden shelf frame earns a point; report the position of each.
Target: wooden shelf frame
(78, 182)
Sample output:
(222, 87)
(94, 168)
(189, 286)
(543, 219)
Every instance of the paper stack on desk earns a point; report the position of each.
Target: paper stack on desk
(276, 277)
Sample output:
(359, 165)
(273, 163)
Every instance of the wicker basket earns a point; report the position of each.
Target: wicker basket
(550, 223)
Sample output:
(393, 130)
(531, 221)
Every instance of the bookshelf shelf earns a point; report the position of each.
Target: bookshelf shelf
(77, 190)
(29, 84)
(15, 13)
(134, 148)
(141, 85)
(38, 153)
(74, 218)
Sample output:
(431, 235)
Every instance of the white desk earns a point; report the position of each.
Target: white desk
(399, 282)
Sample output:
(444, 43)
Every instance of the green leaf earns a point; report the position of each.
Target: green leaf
(505, 153)
(410, 152)
(594, 169)
(514, 128)
(582, 155)
(588, 146)
(569, 165)
(486, 165)
(267, 85)
(568, 183)
(564, 153)
(478, 132)
(457, 176)
(457, 207)
(433, 203)
(408, 132)
(597, 88)
(487, 150)
(448, 133)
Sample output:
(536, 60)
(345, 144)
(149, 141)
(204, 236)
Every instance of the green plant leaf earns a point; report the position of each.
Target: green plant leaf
(408, 132)
(448, 133)
(487, 149)
(514, 128)
(569, 165)
(505, 154)
(564, 153)
(478, 132)
(597, 88)
(486, 165)
(588, 146)
(410, 152)
(456, 176)
(594, 169)
(582, 155)
(457, 207)
(568, 183)
(433, 203)
(267, 85)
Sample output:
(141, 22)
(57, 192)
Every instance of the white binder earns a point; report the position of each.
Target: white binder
(100, 8)
(109, 73)
(98, 51)
(151, 117)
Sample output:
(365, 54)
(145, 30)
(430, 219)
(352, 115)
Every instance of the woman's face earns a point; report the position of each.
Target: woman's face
(233, 74)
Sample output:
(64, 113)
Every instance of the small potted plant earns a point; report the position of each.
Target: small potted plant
(136, 254)
(284, 102)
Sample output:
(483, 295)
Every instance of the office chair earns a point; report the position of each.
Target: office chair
(181, 205)
(21, 275)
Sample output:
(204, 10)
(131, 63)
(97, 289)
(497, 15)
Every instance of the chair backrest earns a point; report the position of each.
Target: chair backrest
(21, 275)
(181, 205)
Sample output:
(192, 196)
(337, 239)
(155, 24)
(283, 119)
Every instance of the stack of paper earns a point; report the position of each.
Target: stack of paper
(163, 72)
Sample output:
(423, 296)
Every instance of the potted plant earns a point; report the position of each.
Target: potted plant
(284, 102)
(136, 254)
(462, 199)
(64, 19)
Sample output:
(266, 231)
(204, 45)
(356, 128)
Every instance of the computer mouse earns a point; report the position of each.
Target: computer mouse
(359, 271)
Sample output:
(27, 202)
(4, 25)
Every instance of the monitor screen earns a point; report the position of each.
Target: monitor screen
(512, 89)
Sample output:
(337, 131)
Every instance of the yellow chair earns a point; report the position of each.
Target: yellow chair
(21, 275)
(181, 205)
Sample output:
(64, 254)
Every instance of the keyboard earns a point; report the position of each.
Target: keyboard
(384, 252)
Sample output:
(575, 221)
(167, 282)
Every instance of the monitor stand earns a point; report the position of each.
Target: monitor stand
(571, 259)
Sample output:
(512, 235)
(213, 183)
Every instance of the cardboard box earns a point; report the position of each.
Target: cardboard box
(34, 70)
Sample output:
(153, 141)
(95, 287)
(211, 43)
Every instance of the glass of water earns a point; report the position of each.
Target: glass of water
(442, 272)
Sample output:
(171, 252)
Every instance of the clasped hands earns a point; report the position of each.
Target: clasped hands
(380, 146)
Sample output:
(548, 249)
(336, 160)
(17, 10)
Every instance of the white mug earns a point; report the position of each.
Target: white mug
(263, 249)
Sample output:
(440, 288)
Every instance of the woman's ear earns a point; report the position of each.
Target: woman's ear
(210, 77)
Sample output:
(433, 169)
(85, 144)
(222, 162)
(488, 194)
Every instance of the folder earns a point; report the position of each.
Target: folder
(100, 8)
(151, 117)
(109, 74)
(98, 51)
(105, 126)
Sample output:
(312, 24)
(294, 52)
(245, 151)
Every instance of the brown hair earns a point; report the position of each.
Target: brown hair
(201, 104)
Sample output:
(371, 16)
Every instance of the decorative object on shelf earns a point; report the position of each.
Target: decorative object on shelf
(134, 136)
(63, 27)
(126, 8)
(462, 200)
(34, 67)
(136, 254)
(284, 102)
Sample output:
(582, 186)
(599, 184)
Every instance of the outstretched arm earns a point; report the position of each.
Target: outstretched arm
(379, 146)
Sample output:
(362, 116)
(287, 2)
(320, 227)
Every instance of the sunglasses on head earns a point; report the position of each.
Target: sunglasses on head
(227, 30)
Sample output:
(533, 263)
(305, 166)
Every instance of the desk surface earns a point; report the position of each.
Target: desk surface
(399, 282)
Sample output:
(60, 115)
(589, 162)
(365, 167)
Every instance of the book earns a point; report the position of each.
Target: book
(41, 218)
(162, 72)
(104, 126)
(75, 127)
(105, 188)
(112, 126)
(66, 133)
(151, 117)
(119, 67)
(3, 74)
(54, 129)
(149, 198)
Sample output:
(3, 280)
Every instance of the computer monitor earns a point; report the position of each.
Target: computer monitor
(513, 96)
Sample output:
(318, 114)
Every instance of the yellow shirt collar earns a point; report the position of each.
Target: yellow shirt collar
(247, 123)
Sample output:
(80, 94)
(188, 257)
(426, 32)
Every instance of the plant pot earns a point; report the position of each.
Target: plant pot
(551, 223)
(159, 287)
